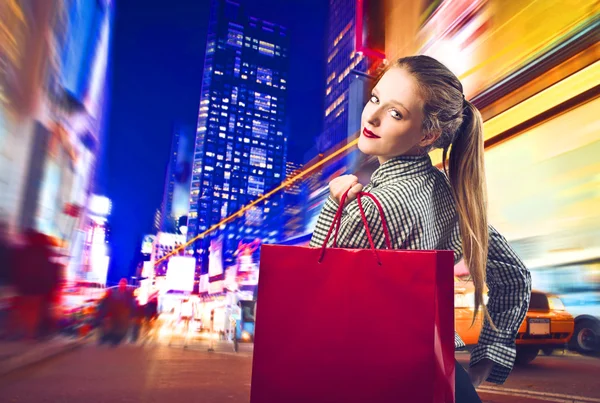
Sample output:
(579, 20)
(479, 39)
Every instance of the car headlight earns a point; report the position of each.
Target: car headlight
(555, 304)
(245, 335)
(464, 300)
(467, 300)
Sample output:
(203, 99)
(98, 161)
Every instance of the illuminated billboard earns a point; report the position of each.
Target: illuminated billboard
(99, 206)
(215, 258)
(370, 32)
(180, 273)
(147, 244)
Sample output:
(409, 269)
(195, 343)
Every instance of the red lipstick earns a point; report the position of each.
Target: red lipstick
(369, 134)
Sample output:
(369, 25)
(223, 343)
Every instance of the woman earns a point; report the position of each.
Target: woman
(418, 105)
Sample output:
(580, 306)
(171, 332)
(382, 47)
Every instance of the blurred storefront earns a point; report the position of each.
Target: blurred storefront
(537, 86)
(52, 101)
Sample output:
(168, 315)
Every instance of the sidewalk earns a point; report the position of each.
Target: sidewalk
(18, 354)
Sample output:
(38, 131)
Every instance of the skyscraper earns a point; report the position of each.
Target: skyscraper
(176, 202)
(350, 39)
(354, 35)
(292, 195)
(240, 149)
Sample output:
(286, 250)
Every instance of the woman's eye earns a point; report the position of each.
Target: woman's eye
(374, 99)
(395, 114)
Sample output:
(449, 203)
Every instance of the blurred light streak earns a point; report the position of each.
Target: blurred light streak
(525, 41)
(282, 186)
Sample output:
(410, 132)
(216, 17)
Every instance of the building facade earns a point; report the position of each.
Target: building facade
(293, 220)
(175, 204)
(350, 42)
(240, 148)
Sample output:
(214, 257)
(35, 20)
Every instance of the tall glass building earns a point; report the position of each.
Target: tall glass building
(240, 149)
(175, 204)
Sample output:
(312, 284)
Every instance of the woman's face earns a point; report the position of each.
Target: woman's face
(392, 120)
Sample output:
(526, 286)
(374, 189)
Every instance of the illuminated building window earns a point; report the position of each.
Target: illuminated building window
(335, 104)
(235, 38)
(266, 48)
(256, 185)
(328, 91)
(342, 34)
(258, 157)
(332, 55)
(260, 129)
(262, 102)
(264, 76)
(331, 77)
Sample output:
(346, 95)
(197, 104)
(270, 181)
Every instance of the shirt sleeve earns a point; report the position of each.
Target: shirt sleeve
(509, 284)
(324, 222)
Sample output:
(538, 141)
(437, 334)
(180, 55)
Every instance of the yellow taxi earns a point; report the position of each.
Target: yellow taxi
(547, 326)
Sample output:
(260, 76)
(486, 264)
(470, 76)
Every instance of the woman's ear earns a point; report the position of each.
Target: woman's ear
(429, 138)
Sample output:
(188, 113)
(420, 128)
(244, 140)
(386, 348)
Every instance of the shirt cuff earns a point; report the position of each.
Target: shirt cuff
(501, 355)
(331, 205)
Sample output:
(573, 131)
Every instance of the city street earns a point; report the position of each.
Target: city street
(152, 371)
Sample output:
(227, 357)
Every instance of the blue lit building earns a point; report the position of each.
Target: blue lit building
(342, 57)
(240, 149)
(354, 33)
(175, 204)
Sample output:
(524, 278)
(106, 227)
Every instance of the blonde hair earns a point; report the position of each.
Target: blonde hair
(460, 128)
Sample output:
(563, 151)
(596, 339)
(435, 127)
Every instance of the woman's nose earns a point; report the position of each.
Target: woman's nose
(373, 117)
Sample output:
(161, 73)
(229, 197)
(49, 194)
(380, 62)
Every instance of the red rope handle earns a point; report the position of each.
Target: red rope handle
(338, 219)
(336, 223)
(363, 217)
(386, 231)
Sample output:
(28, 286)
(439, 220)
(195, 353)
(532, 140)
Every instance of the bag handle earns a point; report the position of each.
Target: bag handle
(338, 219)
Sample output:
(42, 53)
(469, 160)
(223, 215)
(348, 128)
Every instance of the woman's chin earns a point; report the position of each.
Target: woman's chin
(365, 147)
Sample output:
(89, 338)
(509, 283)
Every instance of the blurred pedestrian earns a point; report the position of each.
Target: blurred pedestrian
(116, 313)
(36, 279)
(138, 320)
(151, 309)
(6, 282)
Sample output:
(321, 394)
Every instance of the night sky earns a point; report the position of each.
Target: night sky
(157, 61)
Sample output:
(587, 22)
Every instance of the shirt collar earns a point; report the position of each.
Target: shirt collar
(401, 167)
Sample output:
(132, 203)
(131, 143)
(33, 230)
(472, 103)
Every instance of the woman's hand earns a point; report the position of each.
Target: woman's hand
(480, 371)
(341, 184)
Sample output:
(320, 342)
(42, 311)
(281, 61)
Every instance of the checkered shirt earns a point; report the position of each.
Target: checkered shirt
(421, 214)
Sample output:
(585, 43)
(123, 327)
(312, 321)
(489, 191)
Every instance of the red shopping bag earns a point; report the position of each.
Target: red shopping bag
(354, 325)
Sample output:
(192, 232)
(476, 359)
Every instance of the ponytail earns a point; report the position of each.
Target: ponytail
(467, 179)
(460, 129)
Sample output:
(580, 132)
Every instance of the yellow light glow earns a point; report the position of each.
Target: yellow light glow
(555, 95)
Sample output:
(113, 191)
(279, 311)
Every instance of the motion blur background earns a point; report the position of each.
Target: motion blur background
(197, 189)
